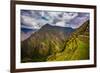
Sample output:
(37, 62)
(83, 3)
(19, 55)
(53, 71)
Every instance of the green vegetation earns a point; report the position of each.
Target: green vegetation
(75, 50)
(51, 45)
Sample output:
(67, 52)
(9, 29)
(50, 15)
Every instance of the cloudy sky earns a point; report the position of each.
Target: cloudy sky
(35, 19)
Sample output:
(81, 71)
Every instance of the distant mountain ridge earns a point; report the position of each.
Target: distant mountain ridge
(57, 28)
(49, 30)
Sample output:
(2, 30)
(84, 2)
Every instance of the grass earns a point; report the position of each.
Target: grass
(80, 52)
(76, 48)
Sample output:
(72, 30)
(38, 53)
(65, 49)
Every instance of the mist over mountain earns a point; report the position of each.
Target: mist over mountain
(26, 33)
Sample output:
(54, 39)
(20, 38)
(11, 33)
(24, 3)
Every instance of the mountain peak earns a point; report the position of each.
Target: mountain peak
(47, 25)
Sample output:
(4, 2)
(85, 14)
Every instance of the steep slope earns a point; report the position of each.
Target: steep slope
(46, 41)
(53, 43)
(26, 33)
(76, 47)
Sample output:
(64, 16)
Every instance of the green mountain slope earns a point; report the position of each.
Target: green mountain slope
(57, 44)
(75, 49)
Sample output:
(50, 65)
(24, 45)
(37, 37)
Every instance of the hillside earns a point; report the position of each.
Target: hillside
(76, 46)
(54, 43)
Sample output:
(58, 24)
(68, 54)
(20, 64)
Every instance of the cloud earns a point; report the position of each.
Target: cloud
(69, 16)
(36, 19)
(30, 22)
(26, 20)
(78, 21)
(61, 23)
